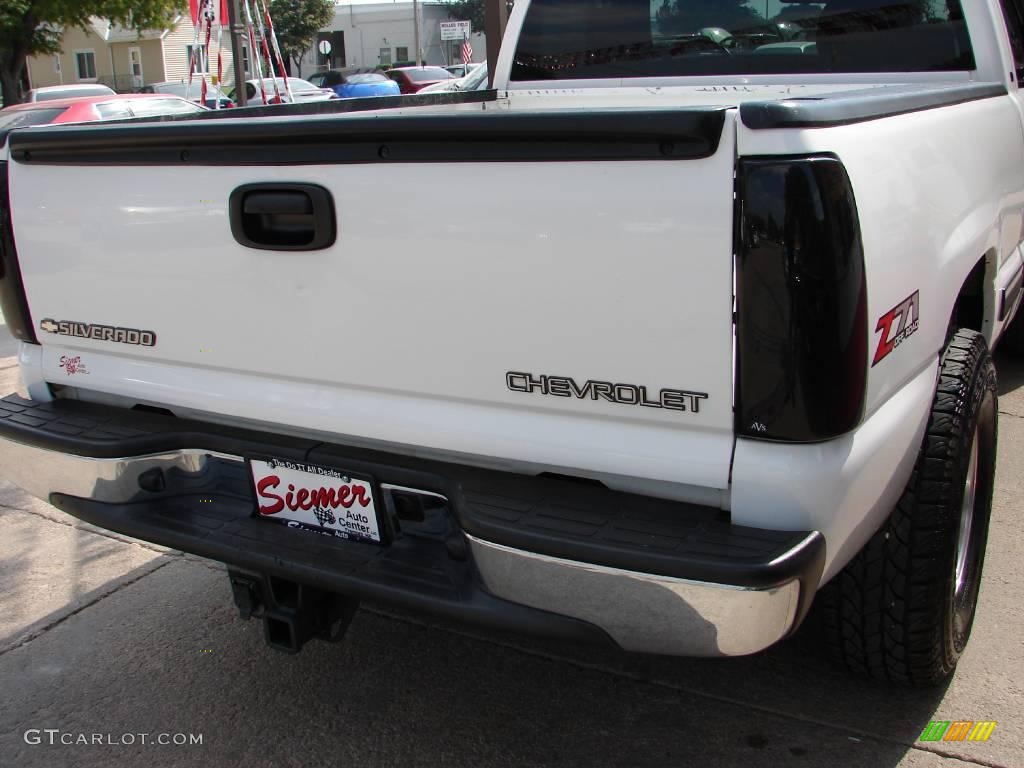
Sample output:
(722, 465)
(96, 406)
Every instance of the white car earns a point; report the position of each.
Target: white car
(50, 92)
(461, 70)
(302, 91)
(476, 80)
(215, 97)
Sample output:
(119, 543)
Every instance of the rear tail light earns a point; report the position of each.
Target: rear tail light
(801, 301)
(12, 293)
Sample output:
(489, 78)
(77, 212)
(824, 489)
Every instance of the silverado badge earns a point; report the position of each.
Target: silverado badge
(98, 332)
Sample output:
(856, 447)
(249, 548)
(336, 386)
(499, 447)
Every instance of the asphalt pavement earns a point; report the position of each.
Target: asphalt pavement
(104, 639)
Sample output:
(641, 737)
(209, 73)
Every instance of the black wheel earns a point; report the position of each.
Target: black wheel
(902, 609)
(1012, 340)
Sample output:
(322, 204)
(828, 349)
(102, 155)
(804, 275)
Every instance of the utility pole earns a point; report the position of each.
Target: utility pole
(416, 29)
(236, 53)
(495, 19)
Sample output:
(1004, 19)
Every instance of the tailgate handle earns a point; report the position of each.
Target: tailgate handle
(282, 217)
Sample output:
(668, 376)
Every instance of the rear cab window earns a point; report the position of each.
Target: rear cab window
(597, 39)
(1013, 15)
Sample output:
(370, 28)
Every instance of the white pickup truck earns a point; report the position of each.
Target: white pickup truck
(707, 336)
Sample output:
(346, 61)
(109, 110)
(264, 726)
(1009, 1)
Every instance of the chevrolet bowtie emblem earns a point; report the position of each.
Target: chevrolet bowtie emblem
(49, 325)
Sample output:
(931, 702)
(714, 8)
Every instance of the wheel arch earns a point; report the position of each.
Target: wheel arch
(974, 307)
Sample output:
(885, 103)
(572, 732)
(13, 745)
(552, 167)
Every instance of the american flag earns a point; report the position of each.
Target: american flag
(467, 51)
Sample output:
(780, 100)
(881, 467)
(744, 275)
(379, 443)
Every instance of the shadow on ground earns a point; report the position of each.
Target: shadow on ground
(1011, 373)
(167, 654)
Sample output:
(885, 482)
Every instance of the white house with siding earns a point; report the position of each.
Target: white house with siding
(125, 59)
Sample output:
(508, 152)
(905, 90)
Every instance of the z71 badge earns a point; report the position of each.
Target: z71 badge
(99, 332)
(897, 325)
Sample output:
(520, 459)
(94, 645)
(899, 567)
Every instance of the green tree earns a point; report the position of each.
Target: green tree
(467, 10)
(296, 23)
(29, 27)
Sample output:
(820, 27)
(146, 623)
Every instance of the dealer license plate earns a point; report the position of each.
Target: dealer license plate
(316, 498)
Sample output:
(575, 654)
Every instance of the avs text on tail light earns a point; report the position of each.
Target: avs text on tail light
(801, 301)
(12, 293)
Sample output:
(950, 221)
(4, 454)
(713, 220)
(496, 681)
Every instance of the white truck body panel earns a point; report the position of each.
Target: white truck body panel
(453, 328)
(403, 330)
(845, 487)
(936, 191)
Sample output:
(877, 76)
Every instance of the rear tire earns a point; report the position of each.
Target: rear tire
(903, 608)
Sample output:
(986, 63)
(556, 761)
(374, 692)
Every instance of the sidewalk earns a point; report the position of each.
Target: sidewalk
(103, 635)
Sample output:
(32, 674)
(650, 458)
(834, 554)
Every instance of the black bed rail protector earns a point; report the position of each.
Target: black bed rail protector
(859, 105)
(641, 134)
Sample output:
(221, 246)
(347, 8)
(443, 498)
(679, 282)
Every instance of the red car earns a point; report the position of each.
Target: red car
(412, 79)
(89, 108)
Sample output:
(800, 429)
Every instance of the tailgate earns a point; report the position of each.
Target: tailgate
(536, 289)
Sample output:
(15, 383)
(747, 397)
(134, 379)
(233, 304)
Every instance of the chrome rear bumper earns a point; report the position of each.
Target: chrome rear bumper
(643, 612)
(479, 579)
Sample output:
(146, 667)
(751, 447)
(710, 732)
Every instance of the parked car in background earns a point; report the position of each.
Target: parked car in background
(355, 83)
(461, 70)
(415, 79)
(215, 97)
(89, 108)
(476, 80)
(50, 92)
(21, 115)
(302, 91)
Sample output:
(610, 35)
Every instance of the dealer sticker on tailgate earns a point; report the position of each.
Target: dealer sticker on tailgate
(314, 497)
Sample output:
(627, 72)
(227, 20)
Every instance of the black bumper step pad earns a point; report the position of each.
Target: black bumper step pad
(558, 517)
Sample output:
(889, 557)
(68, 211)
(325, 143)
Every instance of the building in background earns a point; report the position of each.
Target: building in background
(382, 35)
(125, 59)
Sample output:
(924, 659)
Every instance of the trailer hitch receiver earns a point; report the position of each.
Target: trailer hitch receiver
(292, 613)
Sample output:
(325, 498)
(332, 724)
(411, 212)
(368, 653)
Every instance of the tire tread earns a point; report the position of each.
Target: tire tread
(883, 614)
